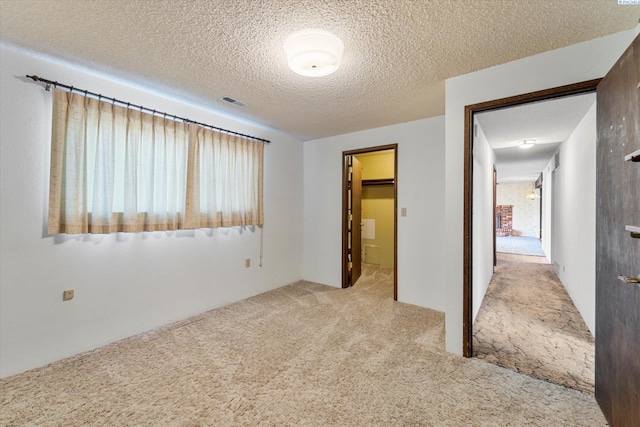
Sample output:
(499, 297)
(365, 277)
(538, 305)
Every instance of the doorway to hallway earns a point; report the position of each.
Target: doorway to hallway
(473, 227)
(517, 303)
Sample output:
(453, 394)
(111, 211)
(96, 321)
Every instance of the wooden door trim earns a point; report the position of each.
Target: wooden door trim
(355, 220)
(469, 111)
(493, 220)
(345, 194)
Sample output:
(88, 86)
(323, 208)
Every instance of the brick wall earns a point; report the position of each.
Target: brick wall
(505, 213)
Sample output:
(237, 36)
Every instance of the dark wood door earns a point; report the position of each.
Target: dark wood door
(617, 250)
(356, 221)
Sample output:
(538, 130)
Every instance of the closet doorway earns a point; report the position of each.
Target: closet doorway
(369, 212)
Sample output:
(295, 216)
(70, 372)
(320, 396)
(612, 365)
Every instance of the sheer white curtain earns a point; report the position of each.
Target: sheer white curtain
(225, 180)
(118, 169)
(114, 169)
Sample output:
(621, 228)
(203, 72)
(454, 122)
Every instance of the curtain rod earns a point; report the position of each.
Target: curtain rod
(140, 107)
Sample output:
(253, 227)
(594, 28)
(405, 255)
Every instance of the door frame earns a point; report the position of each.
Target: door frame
(538, 184)
(493, 220)
(469, 111)
(345, 213)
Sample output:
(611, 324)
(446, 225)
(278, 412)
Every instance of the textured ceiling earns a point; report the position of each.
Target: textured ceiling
(550, 123)
(397, 53)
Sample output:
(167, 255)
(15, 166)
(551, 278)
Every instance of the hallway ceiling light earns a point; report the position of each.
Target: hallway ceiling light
(527, 143)
(313, 53)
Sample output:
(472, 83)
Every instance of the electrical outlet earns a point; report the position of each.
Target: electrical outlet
(247, 262)
(67, 295)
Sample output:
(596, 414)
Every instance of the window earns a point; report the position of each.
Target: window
(118, 169)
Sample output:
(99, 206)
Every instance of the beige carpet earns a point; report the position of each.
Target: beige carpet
(303, 355)
(528, 323)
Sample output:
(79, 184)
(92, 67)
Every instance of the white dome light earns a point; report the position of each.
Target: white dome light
(527, 143)
(313, 53)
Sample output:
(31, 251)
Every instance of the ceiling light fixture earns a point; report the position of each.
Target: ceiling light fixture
(532, 195)
(313, 53)
(527, 143)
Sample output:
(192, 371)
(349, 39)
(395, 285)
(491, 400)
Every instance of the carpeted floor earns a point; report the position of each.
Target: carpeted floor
(522, 245)
(528, 323)
(305, 355)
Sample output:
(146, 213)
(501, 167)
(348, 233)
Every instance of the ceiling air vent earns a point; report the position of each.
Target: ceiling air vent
(233, 101)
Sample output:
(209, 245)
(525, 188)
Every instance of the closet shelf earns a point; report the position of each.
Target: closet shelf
(633, 157)
(372, 182)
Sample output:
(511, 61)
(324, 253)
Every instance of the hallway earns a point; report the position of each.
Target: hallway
(528, 323)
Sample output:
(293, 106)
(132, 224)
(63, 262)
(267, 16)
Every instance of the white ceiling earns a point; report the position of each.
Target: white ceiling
(550, 123)
(397, 52)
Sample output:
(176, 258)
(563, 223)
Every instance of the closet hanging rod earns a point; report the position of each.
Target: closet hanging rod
(50, 83)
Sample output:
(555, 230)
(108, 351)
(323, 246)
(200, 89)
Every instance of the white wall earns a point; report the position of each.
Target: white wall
(547, 197)
(483, 218)
(574, 235)
(124, 283)
(420, 190)
(580, 62)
